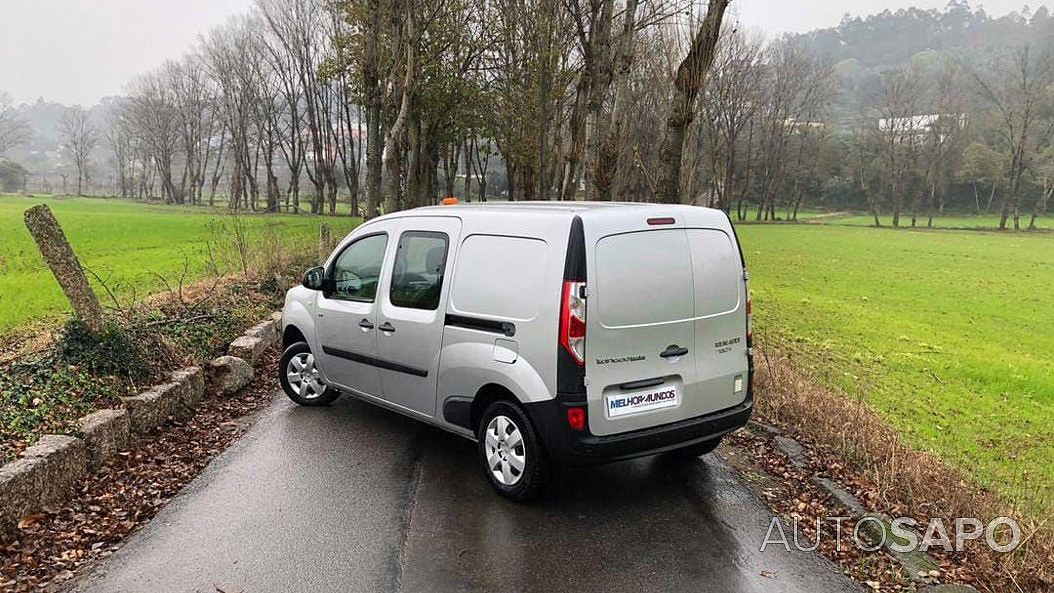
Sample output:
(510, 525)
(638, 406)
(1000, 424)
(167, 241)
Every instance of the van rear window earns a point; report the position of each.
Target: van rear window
(718, 272)
(663, 276)
(500, 277)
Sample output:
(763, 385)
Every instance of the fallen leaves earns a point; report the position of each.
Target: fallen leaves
(797, 501)
(53, 546)
(29, 520)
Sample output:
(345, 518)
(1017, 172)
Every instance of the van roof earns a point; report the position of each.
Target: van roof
(539, 207)
(503, 206)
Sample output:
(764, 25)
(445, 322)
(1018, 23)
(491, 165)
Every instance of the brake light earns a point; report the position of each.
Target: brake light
(662, 220)
(576, 418)
(573, 321)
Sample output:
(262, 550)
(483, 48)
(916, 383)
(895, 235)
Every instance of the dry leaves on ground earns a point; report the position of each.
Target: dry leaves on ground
(50, 548)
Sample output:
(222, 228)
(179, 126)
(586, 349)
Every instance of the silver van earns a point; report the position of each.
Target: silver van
(549, 333)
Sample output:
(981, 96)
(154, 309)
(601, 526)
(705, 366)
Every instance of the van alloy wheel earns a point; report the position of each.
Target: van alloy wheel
(301, 379)
(303, 376)
(505, 451)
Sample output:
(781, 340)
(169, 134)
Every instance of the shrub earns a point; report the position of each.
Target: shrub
(108, 352)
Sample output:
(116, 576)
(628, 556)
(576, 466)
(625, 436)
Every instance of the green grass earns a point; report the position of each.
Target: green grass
(132, 247)
(949, 335)
(954, 221)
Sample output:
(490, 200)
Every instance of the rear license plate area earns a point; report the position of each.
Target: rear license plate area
(617, 405)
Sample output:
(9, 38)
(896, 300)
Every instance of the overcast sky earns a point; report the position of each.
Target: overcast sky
(77, 51)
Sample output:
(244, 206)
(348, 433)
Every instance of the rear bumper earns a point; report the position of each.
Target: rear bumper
(569, 447)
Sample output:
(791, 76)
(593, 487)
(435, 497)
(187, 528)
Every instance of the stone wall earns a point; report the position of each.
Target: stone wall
(45, 473)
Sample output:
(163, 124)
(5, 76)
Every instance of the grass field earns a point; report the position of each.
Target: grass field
(949, 221)
(949, 335)
(131, 246)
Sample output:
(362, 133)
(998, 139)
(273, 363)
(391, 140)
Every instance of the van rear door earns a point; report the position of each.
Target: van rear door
(666, 324)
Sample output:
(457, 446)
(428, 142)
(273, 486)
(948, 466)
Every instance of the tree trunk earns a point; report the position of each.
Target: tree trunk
(691, 74)
(393, 142)
(469, 170)
(374, 137)
(1040, 207)
(608, 151)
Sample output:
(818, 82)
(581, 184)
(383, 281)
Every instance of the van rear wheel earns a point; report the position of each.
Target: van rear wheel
(512, 457)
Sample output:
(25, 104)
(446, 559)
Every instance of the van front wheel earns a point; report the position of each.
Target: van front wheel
(300, 378)
(512, 457)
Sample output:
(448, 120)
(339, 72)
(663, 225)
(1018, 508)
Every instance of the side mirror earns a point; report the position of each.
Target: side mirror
(315, 278)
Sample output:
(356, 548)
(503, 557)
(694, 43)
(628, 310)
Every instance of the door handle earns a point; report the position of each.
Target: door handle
(365, 324)
(674, 351)
(387, 327)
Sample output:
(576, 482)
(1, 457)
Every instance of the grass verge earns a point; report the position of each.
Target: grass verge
(901, 480)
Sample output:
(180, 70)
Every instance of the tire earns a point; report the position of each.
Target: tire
(300, 377)
(695, 451)
(521, 471)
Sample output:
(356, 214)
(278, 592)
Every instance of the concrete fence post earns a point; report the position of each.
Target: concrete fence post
(62, 261)
(324, 244)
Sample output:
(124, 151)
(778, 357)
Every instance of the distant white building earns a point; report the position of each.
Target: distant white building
(920, 124)
(802, 125)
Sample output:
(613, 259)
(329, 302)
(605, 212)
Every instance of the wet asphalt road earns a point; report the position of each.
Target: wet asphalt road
(356, 498)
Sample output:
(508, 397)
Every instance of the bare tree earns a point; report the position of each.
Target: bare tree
(1044, 174)
(153, 114)
(614, 132)
(689, 80)
(287, 113)
(231, 57)
(530, 69)
(944, 142)
(302, 29)
(13, 131)
(730, 107)
(405, 42)
(118, 134)
(192, 96)
(1017, 89)
(79, 138)
(371, 76)
(902, 129)
(592, 25)
(865, 167)
(795, 89)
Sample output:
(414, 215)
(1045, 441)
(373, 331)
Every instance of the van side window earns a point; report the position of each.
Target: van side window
(417, 278)
(500, 277)
(357, 269)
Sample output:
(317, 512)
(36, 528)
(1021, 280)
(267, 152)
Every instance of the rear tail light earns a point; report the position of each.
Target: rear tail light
(576, 418)
(573, 321)
(750, 310)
